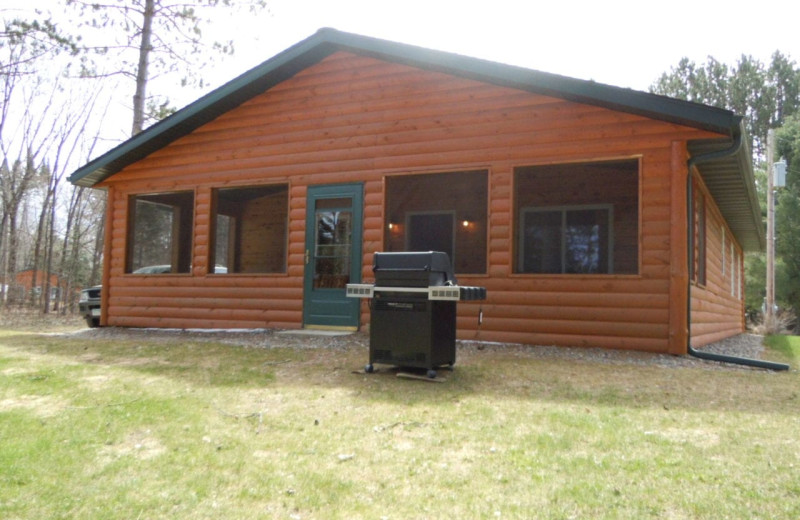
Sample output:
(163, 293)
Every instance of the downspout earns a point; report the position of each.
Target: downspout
(694, 161)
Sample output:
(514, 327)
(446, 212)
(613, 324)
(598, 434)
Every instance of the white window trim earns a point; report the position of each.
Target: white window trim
(564, 209)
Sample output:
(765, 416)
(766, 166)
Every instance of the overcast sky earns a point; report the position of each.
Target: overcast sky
(627, 43)
(619, 42)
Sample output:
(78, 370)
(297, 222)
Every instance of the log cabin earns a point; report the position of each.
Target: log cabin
(594, 215)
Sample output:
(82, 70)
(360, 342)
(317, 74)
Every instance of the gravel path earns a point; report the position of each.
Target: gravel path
(743, 345)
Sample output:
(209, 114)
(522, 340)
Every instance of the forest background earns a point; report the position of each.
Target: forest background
(62, 76)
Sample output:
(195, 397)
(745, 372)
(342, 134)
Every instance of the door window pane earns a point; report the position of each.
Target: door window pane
(332, 248)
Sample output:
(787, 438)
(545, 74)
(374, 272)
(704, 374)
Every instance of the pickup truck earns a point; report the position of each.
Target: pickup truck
(89, 305)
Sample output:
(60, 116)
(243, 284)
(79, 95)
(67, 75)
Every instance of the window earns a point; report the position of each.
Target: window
(577, 218)
(569, 240)
(440, 212)
(250, 229)
(698, 274)
(160, 233)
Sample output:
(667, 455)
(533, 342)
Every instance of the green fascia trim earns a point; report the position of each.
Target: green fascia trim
(582, 91)
(327, 41)
(200, 112)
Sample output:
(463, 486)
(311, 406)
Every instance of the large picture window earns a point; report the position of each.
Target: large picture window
(440, 212)
(572, 240)
(577, 218)
(160, 233)
(250, 229)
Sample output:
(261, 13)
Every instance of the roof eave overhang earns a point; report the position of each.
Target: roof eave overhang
(328, 41)
(205, 109)
(730, 181)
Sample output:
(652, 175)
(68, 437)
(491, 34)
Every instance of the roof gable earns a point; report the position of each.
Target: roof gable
(329, 41)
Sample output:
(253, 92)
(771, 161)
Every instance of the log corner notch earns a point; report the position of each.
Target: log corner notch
(679, 270)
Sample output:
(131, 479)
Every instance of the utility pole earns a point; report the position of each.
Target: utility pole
(769, 313)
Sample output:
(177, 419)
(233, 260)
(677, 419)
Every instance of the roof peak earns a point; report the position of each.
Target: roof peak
(326, 41)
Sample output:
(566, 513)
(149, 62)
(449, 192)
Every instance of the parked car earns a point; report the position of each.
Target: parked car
(154, 269)
(89, 305)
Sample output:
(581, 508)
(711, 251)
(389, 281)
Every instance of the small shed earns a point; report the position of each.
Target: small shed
(594, 215)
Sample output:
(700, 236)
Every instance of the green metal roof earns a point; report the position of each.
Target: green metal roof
(328, 41)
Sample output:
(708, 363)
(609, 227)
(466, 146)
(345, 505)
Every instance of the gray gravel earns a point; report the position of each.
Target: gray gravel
(743, 345)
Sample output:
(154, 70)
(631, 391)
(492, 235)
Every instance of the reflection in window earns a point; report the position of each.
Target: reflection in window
(250, 229)
(334, 234)
(577, 218)
(160, 233)
(566, 240)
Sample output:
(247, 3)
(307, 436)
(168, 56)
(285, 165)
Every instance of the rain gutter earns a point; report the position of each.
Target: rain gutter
(711, 356)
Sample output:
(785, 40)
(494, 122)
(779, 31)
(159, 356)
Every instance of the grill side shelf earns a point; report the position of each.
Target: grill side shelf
(443, 292)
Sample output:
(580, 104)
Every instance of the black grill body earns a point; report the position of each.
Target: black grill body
(409, 330)
(413, 309)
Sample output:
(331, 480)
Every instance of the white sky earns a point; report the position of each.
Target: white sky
(627, 43)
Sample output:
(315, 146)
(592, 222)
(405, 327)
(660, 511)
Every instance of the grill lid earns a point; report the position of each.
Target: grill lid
(413, 269)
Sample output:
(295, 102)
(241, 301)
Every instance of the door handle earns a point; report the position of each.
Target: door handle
(307, 256)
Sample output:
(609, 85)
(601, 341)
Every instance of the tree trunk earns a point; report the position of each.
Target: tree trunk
(145, 46)
(49, 242)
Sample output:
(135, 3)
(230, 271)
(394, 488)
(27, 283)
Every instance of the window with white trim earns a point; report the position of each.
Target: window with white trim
(577, 218)
(567, 240)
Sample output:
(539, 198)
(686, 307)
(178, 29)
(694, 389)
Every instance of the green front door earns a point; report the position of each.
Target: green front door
(332, 255)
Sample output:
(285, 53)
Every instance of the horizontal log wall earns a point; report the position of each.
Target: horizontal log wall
(718, 305)
(353, 118)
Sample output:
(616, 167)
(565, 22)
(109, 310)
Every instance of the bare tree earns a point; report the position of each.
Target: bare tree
(22, 46)
(157, 37)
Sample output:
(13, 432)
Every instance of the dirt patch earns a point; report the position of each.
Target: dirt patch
(140, 444)
(42, 406)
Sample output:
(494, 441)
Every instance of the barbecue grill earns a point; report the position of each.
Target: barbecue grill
(413, 310)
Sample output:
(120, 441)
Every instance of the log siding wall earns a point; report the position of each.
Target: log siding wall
(718, 311)
(354, 118)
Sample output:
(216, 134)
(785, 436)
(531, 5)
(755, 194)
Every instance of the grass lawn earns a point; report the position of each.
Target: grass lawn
(140, 429)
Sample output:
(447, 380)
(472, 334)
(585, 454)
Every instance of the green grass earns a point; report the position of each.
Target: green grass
(789, 346)
(194, 429)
